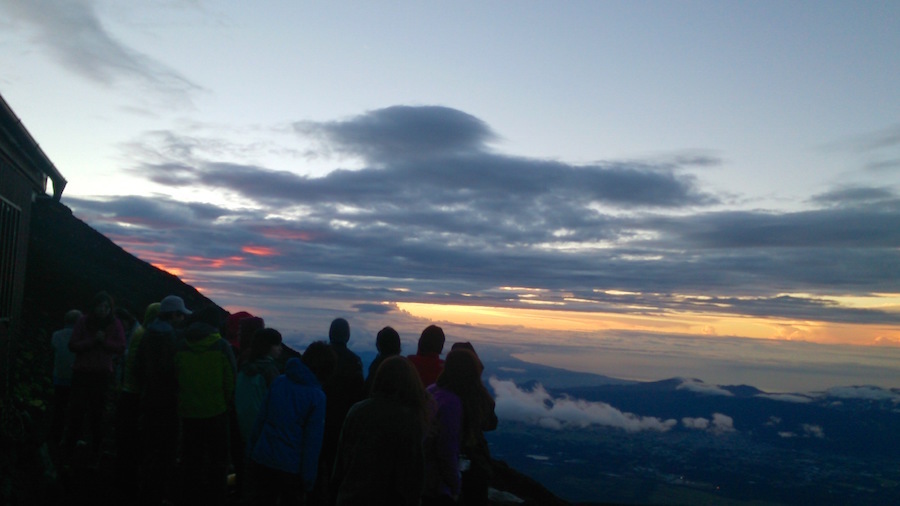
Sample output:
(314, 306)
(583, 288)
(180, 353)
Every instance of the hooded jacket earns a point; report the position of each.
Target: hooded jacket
(206, 372)
(429, 366)
(287, 435)
(253, 382)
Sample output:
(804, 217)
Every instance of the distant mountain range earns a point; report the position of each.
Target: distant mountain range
(682, 441)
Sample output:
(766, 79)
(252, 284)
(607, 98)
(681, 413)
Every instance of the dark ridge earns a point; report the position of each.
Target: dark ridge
(68, 262)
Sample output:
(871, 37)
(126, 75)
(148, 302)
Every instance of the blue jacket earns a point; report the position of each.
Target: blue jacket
(288, 432)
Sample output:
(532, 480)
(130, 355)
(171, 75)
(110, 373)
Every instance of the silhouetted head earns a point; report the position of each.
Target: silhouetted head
(173, 304)
(72, 317)
(264, 340)
(247, 328)
(462, 371)
(320, 359)
(102, 305)
(462, 376)
(233, 327)
(431, 341)
(397, 379)
(210, 315)
(151, 313)
(339, 333)
(387, 342)
(466, 345)
(101, 310)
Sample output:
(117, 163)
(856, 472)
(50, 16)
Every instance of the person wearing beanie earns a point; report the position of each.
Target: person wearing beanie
(345, 388)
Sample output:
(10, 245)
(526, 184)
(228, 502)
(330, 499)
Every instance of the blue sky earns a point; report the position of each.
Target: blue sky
(718, 169)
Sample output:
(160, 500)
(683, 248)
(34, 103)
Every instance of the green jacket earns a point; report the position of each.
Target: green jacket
(206, 373)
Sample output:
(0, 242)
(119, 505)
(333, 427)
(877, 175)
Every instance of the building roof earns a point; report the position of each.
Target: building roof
(27, 151)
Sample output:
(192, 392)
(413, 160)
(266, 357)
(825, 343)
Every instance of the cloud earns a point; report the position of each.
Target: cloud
(720, 424)
(870, 393)
(815, 431)
(875, 141)
(455, 223)
(539, 408)
(856, 196)
(695, 423)
(792, 398)
(697, 386)
(75, 36)
(376, 308)
(403, 133)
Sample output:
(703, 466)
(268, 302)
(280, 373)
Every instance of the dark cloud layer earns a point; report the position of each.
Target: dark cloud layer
(403, 133)
(436, 216)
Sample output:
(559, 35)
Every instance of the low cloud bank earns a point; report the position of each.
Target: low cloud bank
(539, 408)
(795, 398)
(697, 386)
(870, 393)
(720, 424)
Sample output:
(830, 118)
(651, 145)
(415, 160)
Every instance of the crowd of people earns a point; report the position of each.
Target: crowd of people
(208, 411)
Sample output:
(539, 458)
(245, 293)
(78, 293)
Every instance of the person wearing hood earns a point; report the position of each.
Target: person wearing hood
(380, 457)
(286, 438)
(253, 381)
(427, 360)
(205, 369)
(255, 377)
(343, 389)
(387, 342)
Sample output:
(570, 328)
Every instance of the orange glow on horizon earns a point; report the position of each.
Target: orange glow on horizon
(688, 324)
(175, 271)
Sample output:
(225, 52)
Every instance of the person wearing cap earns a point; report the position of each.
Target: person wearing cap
(157, 382)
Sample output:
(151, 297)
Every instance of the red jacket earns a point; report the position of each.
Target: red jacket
(93, 354)
(428, 366)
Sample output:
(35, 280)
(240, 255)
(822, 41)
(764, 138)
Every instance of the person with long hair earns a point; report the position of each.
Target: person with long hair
(380, 458)
(476, 473)
(98, 340)
(461, 410)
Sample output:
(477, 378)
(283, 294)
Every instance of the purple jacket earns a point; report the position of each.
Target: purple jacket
(442, 445)
(93, 355)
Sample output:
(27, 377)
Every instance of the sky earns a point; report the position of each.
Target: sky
(641, 177)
